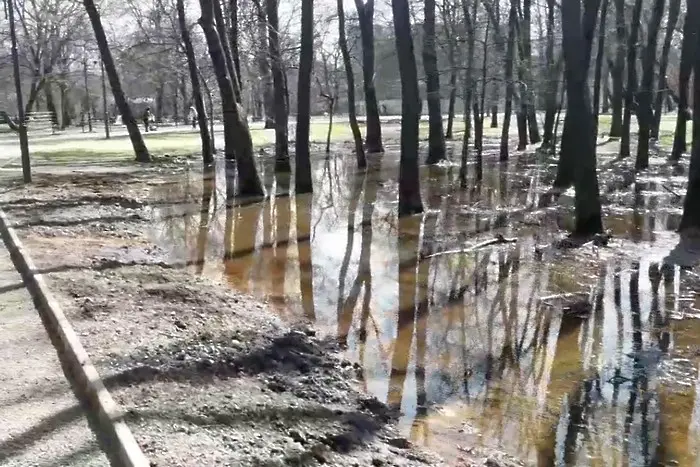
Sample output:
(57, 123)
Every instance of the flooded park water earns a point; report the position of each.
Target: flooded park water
(472, 344)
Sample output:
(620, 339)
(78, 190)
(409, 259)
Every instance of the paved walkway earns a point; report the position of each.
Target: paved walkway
(41, 423)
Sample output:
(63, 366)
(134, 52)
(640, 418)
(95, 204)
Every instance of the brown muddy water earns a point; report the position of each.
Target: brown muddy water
(463, 342)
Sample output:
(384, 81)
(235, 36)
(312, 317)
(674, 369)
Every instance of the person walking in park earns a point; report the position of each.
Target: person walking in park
(147, 118)
(193, 116)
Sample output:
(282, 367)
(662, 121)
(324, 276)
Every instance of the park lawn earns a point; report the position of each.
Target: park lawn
(119, 149)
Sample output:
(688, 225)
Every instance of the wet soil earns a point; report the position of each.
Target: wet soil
(205, 374)
(214, 324)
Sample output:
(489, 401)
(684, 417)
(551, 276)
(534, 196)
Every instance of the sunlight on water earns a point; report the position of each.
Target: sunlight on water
(474, 346)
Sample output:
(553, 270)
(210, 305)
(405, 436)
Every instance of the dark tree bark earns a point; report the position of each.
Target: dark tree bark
(352, 116)
(21, 124)
(468, 89)
(409, 178)
(618, 69)
(690, 222)
(605, 104)
(365, 16)
(688, 51)
(207, 149)
(119, 98)
(529, 95)
(600, 58)
(645, 113)
(508, 76)
(280, 90)
(479, 111)
(306, 62)
(567, 166)
(223, 35)
(587, 202)
(237, 140)
(674, 7)
(233, 40)
(631, 90)
(436, 136)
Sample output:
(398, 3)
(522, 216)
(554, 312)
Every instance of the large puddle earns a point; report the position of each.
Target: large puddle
(471, 345)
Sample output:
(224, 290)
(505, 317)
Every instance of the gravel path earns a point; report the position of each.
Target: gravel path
(42, 423)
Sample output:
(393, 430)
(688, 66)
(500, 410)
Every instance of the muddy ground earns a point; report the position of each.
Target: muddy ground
(206, 376)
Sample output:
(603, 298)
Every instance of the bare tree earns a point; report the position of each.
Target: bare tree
(365, 16)
(127, 117)
(409, 181)
(436, 136)
(306, 62)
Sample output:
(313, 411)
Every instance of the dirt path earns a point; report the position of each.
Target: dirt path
(42, 423)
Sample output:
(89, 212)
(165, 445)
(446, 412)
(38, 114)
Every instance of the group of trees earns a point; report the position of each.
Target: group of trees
(482, 52)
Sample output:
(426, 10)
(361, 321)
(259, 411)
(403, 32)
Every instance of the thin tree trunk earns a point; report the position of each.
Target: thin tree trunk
(207, 149)
(618, 69)
(21, 124)
(599, 63)
(303, 183)
(220, 23)
(409, 178)
(237, 139)
(468, 89)
(688, 51)
(605, 104)
(281, 110)
(631, 90)
(127, 117)
(509, 82)
(587, 201)
(233, 39)
(365, 14)
(531, 115)
(262, 52)
(450, 33)
(436, 136)
(674, 7)
(350, 76)
(645, 112)
(552, 80)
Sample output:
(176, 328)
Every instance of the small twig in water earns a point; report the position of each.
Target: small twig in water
(499, 239)
(671, 191)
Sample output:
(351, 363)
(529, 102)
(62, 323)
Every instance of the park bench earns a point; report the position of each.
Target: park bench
(36, 122)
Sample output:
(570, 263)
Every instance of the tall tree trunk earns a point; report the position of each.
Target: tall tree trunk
(21, 124)
(127, 117)
(436, 136)
(605, 104)
(531, 115)
(645, 113)
(690, 222)
(510, 51)
(451, 37)
(600, 58)
(350, 76)
(207, 149)
(306, 61)
(618, 69)
(160, 94)
(552, 81)
(220, 23)
(237, 140)
(409, 177)
(587, 202)
(479, 111)
(233, 39)
(468, 89)
(674, 7)
(631, 90)
(365, 15)
(281, 110)
(688, 51)
(568, 165)
(262, 52)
